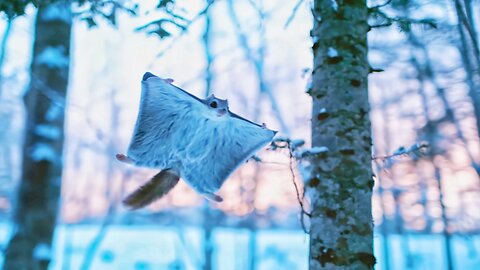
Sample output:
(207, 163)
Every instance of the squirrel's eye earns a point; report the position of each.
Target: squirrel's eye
(213, 104)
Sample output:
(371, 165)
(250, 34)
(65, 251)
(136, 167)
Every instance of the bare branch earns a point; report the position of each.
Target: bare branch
(258, 65)
(402, 151)
(109, 193)
(184, 30)
(291, 145)
(207, 44)
(300, 200)
(292, 15)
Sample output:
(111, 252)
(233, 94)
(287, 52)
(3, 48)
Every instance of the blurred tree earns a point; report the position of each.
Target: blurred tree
(6, 116)
(341, 234)
(470, 52)
(208, 217)
(38, 196)
(3, 49)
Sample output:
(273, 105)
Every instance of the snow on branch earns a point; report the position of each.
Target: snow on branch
(43, 151)
(53, 57)
(417, 149)
(299, 154)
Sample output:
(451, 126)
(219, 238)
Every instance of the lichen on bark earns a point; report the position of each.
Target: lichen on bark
(341, 234)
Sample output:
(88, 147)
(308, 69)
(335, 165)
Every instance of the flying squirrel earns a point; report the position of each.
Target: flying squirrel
(198, 140)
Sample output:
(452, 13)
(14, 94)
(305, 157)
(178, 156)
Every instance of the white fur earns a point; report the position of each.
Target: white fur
(176, 130)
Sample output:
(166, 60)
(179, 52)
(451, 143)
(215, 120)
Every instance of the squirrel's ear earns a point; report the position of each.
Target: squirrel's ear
(147, 75)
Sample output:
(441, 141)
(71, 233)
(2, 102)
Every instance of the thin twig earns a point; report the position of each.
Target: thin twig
(282, 143)
(257, 63)
(400, 20)
(94, 245)
(401, 151)
(184, 30)
(292, 15)
(98, 239)
(300, 200)
(209, 57)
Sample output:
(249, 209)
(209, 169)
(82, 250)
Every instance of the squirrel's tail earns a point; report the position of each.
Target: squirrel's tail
(159, 185)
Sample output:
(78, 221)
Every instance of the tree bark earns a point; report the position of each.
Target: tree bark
(39, 191)
(467, 52)
(3, 49)
(341, 234)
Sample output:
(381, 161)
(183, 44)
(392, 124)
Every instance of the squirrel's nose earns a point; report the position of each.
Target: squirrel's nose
(221, 112)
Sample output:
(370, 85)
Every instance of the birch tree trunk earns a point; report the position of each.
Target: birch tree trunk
(341, 234)
(39, 190)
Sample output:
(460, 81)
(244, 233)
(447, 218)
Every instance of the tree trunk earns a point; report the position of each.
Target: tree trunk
(468, 55)
(341, 234)
(3, 50)
(39, 190)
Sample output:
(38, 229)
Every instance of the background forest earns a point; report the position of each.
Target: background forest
(70, 72)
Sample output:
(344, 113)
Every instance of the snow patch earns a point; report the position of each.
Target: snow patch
(400, 151)
(305, 171)
(308, 86)
(43, 151)
(53, 112)
(53, 57)
(42, 252)
(57, 12)
(297, 143)
(317, 150)
(334, 5)
(281, 139)
(332, 52)
(48, 131)
(311, 152)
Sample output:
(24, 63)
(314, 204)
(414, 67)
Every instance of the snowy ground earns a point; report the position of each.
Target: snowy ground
(151, 247)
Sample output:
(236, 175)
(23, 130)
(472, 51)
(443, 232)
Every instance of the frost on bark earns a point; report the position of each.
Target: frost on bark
(39, 190)
(341, 235)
